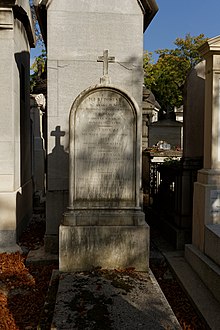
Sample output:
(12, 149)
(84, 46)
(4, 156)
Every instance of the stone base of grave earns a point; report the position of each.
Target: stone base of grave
(15, 213)
(99, 241)
(8, 241)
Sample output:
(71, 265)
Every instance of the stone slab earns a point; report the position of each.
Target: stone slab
(83, 247)
(207, 270)
(203, 299)
(102, 299)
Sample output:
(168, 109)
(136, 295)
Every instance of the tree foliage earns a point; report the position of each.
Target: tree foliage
(166, 77)
(38, 68)
(39, 65)
(38, 34)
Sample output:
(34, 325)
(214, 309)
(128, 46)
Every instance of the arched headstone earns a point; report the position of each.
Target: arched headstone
(103, 138)
(104, 225)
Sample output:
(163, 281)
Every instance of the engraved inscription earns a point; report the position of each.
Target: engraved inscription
(105, 134)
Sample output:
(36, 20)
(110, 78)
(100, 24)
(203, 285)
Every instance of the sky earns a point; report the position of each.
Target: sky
(176, 18)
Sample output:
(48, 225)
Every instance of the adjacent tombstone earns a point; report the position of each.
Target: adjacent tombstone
(193, 145)
(77, 32)
(16, 38)
(203, 253)
(104, 225)
(194, 104)
(150, 109)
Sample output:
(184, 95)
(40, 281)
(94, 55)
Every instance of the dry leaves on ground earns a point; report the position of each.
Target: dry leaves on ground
(178, 300)
(22, 292)
(23, 289)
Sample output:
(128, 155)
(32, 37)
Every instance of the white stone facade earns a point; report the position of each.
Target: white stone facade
(16, 37)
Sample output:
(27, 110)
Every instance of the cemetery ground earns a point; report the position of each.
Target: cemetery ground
(24, 288)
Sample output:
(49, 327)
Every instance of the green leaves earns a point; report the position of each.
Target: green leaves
(167, 76)
(38, 68)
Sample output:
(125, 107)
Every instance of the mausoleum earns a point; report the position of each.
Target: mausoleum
(16, 38)
(76, 33)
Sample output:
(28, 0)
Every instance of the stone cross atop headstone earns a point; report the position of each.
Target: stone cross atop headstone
(57, 133)
(106, 60)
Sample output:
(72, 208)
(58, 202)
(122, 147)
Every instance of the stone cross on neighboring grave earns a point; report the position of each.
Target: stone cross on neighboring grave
(106, 60)
(57, 133)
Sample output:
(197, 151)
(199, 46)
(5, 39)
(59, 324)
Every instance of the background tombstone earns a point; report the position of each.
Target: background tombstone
(38, 107)
(16, 38)
(203, 253)
(150, 109)
(165, 130)
(77, 32)
(194, 104)
(104, 225)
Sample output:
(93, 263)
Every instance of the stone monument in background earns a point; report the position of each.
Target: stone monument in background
(38, 107)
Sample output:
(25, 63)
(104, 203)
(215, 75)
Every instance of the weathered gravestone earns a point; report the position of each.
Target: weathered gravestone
(104, 225)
